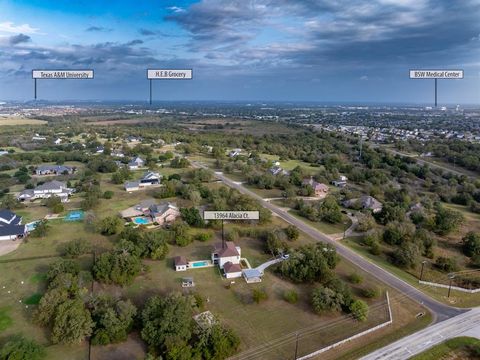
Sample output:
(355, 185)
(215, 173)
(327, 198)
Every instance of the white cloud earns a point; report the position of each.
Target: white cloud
(10, 27)
(176, 9)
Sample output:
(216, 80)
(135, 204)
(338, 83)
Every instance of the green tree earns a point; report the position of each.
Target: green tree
(166, 317)
(76, 248)
(471, 244)
(116, 267)
(292, 232)
(72, 323)
(447, 221)
(41, 229)
(359, 310)
(21, 348)
(110, 225)
(326, 299)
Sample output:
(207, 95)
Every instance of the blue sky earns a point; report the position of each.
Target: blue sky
(291, 50)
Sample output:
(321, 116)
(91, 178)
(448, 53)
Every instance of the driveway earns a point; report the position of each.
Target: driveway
(7, 246)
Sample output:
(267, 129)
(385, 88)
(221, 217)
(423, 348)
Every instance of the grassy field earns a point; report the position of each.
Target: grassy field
(459, 299)
(323, 226)
(292, 164)
(9, 121)
(456, 348)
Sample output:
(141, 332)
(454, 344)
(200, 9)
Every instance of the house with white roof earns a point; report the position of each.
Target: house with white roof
(46, 190)
(11, 227)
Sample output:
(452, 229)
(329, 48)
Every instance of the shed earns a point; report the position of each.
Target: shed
(180, 263)
(188, 282)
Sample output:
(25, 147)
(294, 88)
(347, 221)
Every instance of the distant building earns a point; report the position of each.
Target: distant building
(148, 179)
(58, 141)
(340, 182)
(54, 170)
(136, 163)
(38, 138)
(160, 213)
(46, 190)
(320, 189)
(365, 202)
(234, 153)
(277, 170)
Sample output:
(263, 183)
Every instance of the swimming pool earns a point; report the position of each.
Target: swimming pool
(200, 264)
(75, 215)
(31, 226)
(141, 220)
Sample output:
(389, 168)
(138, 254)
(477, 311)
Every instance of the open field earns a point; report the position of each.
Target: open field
(456, 348)
(10, 121)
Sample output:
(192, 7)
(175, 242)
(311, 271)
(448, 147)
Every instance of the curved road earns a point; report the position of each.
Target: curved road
(439, 311)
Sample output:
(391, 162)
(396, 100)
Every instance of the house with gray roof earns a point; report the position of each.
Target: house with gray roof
(46, 190)
(54, 170)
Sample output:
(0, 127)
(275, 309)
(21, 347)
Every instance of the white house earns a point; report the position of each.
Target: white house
(136, 163)
(46, 190)
(148, 179)
(234, 152)
(226, 255)
(11, 227)
(58, 141)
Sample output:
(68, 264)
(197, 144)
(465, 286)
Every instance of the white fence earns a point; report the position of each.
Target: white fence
(470, 291)
(356, 336)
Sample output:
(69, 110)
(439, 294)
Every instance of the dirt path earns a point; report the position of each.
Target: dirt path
(7, 246)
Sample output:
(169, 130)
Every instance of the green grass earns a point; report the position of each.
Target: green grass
(33, 299)
(323, 226)
(292, 164)
(448, 347)
(457, 298)
(5, 320)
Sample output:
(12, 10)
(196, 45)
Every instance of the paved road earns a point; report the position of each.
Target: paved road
(466, 324)
(439, 311)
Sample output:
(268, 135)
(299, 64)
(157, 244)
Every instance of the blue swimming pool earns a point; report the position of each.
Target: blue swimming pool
(75, 215)
(200, 264)
(140, 221)
(31, 226)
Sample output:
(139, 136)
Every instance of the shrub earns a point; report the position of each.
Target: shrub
(75, 248)
(359, 310)
(370, 292)
(108, 194)
(259, 295)
(446, 264)
(204, 237)
(290, 296)
(355, 278)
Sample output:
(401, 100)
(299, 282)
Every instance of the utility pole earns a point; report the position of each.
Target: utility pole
(451, 276)
(296, 346)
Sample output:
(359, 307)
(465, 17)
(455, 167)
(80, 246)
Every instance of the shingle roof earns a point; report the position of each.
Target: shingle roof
(227, 251)
(7, 214)
(51, 185)
(8, 230)
(230, 267)
(180, 260)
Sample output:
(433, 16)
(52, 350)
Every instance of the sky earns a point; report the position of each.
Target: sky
(242, 50)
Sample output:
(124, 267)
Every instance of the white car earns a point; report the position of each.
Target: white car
(285, 256)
